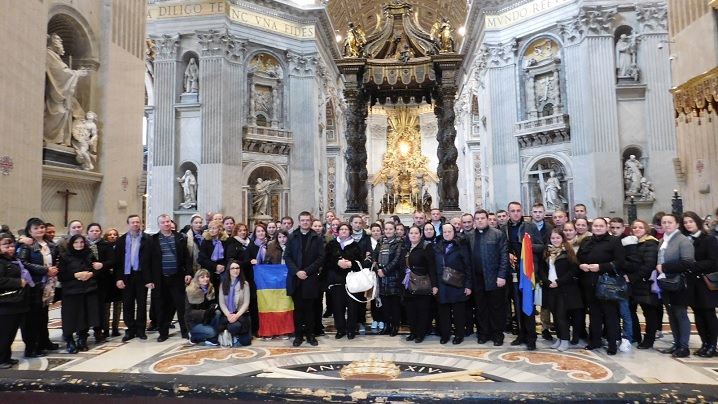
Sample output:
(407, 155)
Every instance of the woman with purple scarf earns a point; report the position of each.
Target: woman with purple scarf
(420, 259)
(234, 302)
(211, 252)
(255, 254)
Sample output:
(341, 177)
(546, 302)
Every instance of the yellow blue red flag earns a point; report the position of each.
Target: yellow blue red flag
(527, 280)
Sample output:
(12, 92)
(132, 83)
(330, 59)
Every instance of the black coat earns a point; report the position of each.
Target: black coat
(10, 280)
(333, 253)
(309, 259)
(604, 250)
(421, 260)
(641, 259)
(106, 256)
(145, 249)
(567, 280)
(388, 254)
(184, 263)
(491, 246)
(459, 259)
(706, 254)
(196, 304)
(70, 263)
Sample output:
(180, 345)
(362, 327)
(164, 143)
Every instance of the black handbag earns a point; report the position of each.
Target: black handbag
(419, 285)
(612, 287)
(452, 277)
(711, 281)
(12, 296)
(674, 283)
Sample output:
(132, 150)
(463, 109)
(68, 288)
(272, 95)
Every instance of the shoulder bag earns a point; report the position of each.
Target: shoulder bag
(675, 283)
(711, 281)
(612, 287)
(453, 277)
(12, 296)
(361, 281)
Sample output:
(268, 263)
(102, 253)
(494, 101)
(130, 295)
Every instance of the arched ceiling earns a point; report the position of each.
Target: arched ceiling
(369, 12)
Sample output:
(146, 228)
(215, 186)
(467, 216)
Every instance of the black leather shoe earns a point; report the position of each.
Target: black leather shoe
(482, 340)
(498, 342)
(710, 352)
(670, 350)
(128, 336)
(394, 331)
(611, 350)
(51, 346)
(115, 333)
(312, 341)
(644, 345)
(5, 365)
(142, 336)
(351, 335)
(185, 335)
(162, 338)
(297, 342)
(419, 340)
(701, 351)
(340, 335)
(531, 346)
(681, 353)
(411, 337)
(152, 328)
(590, 347)
(574, 341)
(443, 340)
(546, 334)
(13, 361)
(517, 341)
(38, 354)
(457, 340)
(320, 333)
(386, 330)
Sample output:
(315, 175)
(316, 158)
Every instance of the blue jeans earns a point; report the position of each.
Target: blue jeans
(202, 332)
(625, 313)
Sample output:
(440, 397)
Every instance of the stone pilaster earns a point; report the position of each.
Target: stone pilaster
(160, 181)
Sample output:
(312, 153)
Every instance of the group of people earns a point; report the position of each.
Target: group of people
(456, 276)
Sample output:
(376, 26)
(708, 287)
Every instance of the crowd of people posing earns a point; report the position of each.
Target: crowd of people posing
(449, 277)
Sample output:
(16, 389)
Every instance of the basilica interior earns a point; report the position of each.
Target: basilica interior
(262, 109)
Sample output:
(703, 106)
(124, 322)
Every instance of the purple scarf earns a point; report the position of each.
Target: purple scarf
(262, 250)
(406, 278)
(654, 283)
(204, 288)
(218, 253)
(230, 297)
(198, 237)
(24, 273)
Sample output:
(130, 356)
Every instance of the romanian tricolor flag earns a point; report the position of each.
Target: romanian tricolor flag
(276, 309)
(527, 280)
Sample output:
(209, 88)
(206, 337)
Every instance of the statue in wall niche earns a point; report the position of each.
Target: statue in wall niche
(647, 191)
(426, 201)
(632, 174)
(355, 41)
(84, 140)
(191, 77)
(189, 189)
(260, 200)
(60, 101)
(554, 199)
(626, 50)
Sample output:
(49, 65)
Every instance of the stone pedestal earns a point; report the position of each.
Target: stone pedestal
(183, 217)
(260, 218)
(60, 156)
(189, 98)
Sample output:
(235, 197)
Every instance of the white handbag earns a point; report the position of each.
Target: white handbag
(361, 281)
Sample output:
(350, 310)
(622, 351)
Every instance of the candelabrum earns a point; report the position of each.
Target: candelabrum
(677, 204)
(632, 211)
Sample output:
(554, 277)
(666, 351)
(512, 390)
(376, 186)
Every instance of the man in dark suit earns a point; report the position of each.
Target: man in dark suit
(304, 256)
(134, 276)
(171, 271)
(514, 230)
(538, 213)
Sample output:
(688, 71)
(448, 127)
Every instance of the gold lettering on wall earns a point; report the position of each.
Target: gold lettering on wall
(528, 10)
(234, 12)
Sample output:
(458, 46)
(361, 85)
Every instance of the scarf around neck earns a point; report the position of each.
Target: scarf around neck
(230, 297)
(218, 252)
(345, 242)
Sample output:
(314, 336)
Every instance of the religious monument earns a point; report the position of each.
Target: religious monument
(72, 123)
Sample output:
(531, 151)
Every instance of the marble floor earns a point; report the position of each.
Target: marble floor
(376, 357)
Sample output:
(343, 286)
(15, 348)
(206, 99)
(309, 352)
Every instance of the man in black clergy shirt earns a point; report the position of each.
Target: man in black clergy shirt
(304, 255)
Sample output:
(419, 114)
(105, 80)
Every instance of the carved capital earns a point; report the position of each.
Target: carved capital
(597, 20)
(165, 46)
(236, 49)
(212, 42)
(302, 65)
(652, 17)
(497, 55)
(571, 31)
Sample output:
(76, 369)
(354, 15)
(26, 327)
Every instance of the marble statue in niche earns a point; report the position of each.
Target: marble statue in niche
(260, 199)
(647, 191)
(191, 77)
(84, 140)
(626, 51)
(189, 190)
(554, 199)
(60, 101)
(632, 174)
